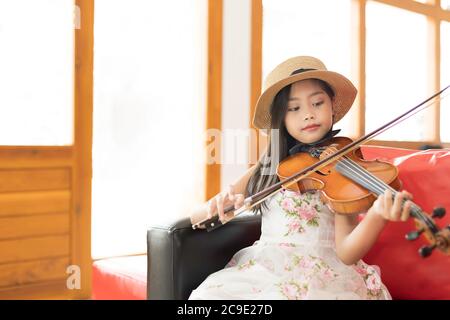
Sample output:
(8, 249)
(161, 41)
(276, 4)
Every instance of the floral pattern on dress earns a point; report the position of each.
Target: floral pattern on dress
(246, 265)
(371, 279)
(231, 263)
(311, 266)
(301, 212)
(293, 289)
(287, 244)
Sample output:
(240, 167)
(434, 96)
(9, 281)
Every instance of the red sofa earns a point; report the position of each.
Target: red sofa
(426, 174)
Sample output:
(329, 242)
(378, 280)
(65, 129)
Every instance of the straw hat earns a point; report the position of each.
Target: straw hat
(301, 68)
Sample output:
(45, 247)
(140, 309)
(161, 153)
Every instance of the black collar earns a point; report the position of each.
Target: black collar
(305, 147)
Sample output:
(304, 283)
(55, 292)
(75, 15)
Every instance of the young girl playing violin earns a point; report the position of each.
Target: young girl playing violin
(305, 250)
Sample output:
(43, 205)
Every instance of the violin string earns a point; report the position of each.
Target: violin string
(380, 186)
(378, 181)
(428, 104)
(377, 184)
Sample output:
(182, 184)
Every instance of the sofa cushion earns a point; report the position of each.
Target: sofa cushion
(121, 278)
(426, 174)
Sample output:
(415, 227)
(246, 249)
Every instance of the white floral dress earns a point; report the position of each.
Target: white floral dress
(295, 258)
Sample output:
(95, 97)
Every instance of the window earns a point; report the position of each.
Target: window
(445, 4)
(396, 70)
(36, 78)
(148, 118)
(314, 28)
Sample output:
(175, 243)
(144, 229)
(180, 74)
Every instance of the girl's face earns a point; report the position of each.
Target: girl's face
(309, 115)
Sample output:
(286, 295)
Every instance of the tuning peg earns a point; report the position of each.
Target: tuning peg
(413, 235)
(438, 212)
(425, 251)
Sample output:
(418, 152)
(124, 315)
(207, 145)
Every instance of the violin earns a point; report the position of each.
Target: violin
(351, 184)
(348, 184)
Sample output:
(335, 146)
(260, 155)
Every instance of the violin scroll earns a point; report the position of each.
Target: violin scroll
(438, 238)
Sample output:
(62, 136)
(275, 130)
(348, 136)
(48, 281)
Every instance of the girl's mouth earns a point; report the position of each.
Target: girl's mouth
(311, 127)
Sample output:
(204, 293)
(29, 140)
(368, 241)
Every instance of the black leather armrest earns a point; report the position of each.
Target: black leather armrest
(180, 258)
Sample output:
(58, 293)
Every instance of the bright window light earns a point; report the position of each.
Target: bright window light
(36, 72)
(319, 28)
(149, 80)
(396, 70)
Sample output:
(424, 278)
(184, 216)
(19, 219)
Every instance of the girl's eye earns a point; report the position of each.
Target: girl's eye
(317, 103)
(293, 108)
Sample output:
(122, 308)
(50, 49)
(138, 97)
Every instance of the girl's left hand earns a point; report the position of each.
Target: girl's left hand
(384, 207)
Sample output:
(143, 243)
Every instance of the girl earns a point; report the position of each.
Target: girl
(305, 251)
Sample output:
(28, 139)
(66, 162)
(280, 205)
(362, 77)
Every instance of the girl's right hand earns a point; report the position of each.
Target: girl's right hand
(217, 204)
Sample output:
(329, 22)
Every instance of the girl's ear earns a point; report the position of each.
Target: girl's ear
(332, 107)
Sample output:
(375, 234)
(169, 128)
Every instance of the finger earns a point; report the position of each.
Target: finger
(231, 192)
(406, 210)
(239, 201)
(209, 208)
(387, 200)
(408, 195)
(396, 209)
(219, 200)
(378, 205)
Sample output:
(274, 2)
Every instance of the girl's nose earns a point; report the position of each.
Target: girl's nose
(308, 113)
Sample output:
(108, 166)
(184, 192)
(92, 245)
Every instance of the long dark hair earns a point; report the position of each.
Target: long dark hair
(279, 143)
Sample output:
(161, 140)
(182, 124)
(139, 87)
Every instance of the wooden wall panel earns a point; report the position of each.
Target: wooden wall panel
(21, 203)
(34, 248)
(18, 274)
(34, 179)
(52, 289)
(35, 157)
(34, 225)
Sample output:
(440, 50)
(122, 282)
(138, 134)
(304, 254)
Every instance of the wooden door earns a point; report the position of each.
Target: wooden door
(45, 198)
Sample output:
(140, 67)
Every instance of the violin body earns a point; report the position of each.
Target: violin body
(341, 194)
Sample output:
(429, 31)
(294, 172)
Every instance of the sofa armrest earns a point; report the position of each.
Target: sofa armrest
(180, 258)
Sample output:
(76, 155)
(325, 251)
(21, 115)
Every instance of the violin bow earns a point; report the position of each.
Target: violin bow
(253, 200)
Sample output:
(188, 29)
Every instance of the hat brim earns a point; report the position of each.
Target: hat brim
(344, 95)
